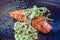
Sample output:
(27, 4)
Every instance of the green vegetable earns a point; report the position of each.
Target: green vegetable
(35, 11)
(25, 33)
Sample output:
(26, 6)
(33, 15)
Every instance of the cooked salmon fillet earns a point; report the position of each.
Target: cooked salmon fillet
(18, 15)
(38, 23)
(41, 24)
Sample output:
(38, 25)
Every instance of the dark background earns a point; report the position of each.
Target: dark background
(7, 23)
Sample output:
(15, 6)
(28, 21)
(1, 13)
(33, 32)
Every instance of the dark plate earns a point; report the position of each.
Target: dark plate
(6, 23)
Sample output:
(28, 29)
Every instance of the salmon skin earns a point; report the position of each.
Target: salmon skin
(38, 23)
